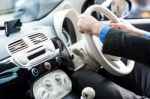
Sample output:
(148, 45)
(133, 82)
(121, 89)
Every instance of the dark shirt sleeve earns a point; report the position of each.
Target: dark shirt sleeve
(125, 45)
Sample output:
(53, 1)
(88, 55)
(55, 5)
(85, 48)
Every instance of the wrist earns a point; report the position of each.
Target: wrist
(103, 32)
(146, 35)
(139, 32)
(96, 29)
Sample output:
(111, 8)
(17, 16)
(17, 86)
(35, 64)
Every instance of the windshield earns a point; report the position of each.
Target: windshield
(141, 9)
(26, 10)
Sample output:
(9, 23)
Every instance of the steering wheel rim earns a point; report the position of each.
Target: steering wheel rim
(112, 64)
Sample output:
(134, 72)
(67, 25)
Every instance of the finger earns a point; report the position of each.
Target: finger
(114, 25)
(80, 30)
(117, 28)
(79, 27)
(79, 24)
(117, 24)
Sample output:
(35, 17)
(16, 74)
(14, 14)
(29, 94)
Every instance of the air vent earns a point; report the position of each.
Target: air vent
(17, 46)
(38, 38)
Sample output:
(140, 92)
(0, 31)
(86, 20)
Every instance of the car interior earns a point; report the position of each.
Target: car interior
(41, 46)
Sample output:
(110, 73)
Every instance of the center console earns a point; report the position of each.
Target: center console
(32, 49)
(54, 85)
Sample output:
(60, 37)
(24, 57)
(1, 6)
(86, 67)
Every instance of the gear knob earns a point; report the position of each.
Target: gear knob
(88, 93)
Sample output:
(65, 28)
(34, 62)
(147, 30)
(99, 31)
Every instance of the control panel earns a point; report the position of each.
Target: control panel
(54, 85)
(31, 50)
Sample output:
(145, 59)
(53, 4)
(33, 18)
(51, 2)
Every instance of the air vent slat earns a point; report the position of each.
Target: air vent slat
(17, 46)
(19, 42)
(38, 38)
(14, 51)
(12, 47)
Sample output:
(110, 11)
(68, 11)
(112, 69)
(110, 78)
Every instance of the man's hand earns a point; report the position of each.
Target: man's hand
(88, 24)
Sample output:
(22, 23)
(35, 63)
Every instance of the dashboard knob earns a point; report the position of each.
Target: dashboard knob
(44, 94)
(67, 83)
(47, 65)
(48, 84)
(58, 60)
(58, 79)
(35, 72)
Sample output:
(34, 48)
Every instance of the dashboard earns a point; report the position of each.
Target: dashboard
(68, 35)
(39, 51)
(45, 52)
(34, 44)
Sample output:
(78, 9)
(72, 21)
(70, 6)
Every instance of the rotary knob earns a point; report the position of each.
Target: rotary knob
(44, 94)
(58, 79)
(67, 83)
(48, 84)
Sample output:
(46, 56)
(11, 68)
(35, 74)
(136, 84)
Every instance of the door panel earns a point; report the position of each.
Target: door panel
(143, 24)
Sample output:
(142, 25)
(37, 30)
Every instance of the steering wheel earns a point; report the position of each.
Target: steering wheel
(94, 46)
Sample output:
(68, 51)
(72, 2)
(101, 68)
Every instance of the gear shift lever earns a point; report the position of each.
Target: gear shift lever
(88, 93)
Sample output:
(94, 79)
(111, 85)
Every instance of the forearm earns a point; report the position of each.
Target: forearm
(122, 44)
(139, 32)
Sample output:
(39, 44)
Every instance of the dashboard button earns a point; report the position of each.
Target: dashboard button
(47, 65)
(35, 72)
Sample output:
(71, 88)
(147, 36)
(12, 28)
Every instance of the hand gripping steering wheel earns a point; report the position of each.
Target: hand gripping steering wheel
(94, 46)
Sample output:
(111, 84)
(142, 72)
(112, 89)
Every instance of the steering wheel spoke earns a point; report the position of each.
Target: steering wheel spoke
(121, 66)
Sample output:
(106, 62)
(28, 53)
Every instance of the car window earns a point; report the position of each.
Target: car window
(140, 9)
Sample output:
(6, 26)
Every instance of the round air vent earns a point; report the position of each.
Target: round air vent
(67, 21)
(69, 32)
